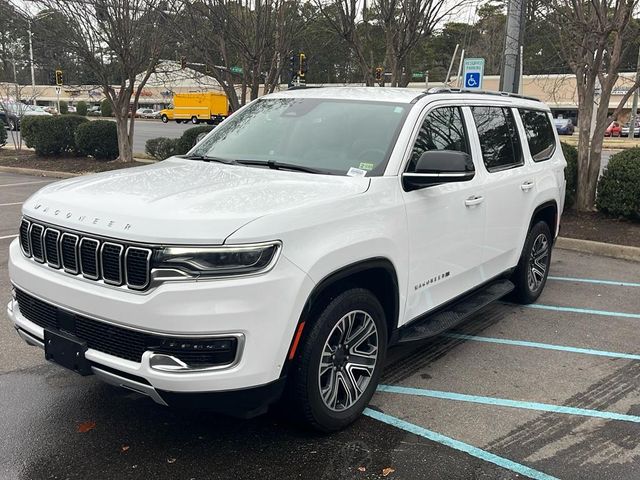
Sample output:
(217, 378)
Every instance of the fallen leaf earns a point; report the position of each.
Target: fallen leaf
(362, 469)
(124, 448)
(84, 427)
(171, 460)
(387, 471)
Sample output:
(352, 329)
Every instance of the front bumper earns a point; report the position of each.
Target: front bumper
(263, 309)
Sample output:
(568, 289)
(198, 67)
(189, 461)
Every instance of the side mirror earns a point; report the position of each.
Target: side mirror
(439, 166)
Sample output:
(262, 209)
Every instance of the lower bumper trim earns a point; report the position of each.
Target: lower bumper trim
(30, 339)
(129, 384)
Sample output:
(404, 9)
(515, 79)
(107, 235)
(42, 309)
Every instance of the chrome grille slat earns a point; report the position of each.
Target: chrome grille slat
(113, 263)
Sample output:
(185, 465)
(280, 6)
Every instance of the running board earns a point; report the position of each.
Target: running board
(453, 314)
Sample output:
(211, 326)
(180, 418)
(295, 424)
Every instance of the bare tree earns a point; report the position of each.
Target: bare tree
(244, 42)
(594, 35)
(15, 101)
(116, 40)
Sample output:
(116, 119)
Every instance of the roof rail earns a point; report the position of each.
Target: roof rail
(303, 87)
(481, 92)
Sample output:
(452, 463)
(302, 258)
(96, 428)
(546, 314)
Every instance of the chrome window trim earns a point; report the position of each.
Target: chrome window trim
(50, 263)
(24, 252)
(75, 251)
(39, 260)
(120, 267)
(85, 275)
(147, 273)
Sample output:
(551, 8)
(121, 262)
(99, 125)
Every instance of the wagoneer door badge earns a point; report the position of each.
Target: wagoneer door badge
(432, 280)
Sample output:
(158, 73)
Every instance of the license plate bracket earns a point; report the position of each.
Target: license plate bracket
(66, 351)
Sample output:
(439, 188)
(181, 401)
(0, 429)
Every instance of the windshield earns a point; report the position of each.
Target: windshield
(332, 136)
(561, 122)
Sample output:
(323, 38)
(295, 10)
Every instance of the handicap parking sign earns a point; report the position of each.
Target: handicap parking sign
(472, 80)
(473, 71)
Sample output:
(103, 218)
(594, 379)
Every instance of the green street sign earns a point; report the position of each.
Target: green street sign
(417, 75)
(236, 69)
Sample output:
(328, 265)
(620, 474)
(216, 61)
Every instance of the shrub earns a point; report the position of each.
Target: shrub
(189, 137)
(619, 186)
(55, 135)
(81, 108)
(105, 108)
(3, 134)
(64, 107)
(570, 173)
(29, 125)
(161, 148)
(98, 139)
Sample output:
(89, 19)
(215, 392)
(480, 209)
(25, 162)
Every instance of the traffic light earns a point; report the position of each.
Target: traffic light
(379, 71)
(58, 77)
(303, 65)
(183, 62)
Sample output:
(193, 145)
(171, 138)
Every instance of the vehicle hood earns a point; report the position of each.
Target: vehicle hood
(182, 201)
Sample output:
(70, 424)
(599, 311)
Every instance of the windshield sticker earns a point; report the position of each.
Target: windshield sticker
(356, 172)
(366, 166)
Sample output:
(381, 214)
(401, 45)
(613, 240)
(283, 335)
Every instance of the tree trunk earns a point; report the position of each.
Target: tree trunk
(125, 147)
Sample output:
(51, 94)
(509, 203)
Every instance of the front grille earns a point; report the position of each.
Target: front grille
(95, 259)
(123, 342)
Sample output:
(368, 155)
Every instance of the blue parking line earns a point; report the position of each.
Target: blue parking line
(458, 445)
(546, 346)
(504, 402)
(596, 281)
(583, 310)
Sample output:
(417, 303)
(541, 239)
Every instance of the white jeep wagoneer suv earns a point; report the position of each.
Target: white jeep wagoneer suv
(292, 246)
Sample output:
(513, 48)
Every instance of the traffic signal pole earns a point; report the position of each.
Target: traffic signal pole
(509, 76)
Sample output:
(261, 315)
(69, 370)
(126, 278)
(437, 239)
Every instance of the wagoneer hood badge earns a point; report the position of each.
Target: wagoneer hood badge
(181, 201)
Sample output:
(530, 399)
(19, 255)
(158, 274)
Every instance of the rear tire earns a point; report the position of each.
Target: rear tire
(195, 120)
(339, 364)
(531, 273)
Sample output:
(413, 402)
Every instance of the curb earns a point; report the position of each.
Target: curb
(622, 252)
(39, 173)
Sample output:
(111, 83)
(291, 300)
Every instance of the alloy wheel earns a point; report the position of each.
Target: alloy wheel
(348, 361)
(538, 262)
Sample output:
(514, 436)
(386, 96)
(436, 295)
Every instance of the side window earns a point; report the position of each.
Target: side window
(540, 137)
(499, 139)
(442, 129)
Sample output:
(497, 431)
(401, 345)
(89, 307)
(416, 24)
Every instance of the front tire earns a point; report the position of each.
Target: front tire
(164, 119)
(195, 120)
(340, 362)
(531, 273)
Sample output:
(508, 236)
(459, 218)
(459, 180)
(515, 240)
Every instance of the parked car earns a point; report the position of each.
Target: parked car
(50, 110)
(147, 113)
(10, 120)
(94, 111)
(71, 109)
(613, 130)
(564, 126)
(292, 246)
(624, 132)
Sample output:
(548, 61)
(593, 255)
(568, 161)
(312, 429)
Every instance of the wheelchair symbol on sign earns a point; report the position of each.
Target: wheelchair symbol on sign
(472, 80)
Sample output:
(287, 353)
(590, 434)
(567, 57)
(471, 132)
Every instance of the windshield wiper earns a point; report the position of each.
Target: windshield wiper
(206, 158)
(282, 166)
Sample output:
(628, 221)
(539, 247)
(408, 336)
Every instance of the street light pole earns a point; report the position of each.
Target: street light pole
(33, 72)
(509, 77)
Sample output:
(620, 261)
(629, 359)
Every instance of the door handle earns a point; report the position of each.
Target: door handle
(526, 186)
(474, 200)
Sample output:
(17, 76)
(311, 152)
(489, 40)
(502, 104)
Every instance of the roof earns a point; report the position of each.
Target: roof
(379, 94)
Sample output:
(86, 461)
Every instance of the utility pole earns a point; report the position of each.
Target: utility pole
(509, 77)
(33, 72)
(634, 107)
(453, 59)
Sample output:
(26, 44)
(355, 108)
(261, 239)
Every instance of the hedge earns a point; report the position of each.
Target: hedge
(81, 108)
(98, 139)
(29, 126)
(56, 135)
(619, 186)
(570, 173)
(189, 137)
(64, 107)
(3, 134)
(161, 148)
(106, 110)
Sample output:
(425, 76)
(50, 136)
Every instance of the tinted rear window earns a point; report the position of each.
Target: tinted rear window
(540, 137)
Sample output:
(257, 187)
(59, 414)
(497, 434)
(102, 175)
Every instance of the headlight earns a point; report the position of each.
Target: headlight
(195, 262)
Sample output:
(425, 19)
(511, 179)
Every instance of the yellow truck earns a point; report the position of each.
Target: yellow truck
(210, 107)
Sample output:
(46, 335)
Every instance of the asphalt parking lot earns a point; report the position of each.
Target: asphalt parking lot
(550, 390)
